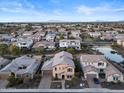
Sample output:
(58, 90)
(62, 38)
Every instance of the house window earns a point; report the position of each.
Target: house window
(115, 78)
(27, 76)
(77, 47)
(100, 64)
(69, 76)
(69, 70)
(56, 75)
(101, 70)
(55, 68)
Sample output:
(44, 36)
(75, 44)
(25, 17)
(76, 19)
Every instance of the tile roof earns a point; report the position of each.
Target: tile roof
(23, 61)
(92, 58)
(59, 58)
(111, 70)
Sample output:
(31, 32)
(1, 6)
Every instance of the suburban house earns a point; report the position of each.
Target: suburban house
(64, 33)
(3, 62)
(75, 34)
(61, 66)
(28, 33)
(24, 43)
(119, 36)
(94, 34)
(61, 30)
(97, 65)
(5, 37)
(24, 66)
(70, 43)
(41, 33)
(113, 74)
(50, 36)
(107, 36)
(34, 35)
(45, 44)
(93, 65)
(120, 42)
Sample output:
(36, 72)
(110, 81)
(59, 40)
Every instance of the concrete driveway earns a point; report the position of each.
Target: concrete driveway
(91, 81)
(45, 82)
(3, 84)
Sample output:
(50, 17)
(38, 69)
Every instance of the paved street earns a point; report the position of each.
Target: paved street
(3, 84)
(45, 82)
(91, 82)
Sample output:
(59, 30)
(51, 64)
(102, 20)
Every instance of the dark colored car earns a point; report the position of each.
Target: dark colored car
(96, 81)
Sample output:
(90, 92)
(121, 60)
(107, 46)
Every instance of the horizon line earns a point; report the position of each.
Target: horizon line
(59, 21)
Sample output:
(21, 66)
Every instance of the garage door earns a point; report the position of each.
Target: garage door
(91, 76)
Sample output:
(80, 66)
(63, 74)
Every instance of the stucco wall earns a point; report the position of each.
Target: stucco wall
(110, 78)
(62, 70)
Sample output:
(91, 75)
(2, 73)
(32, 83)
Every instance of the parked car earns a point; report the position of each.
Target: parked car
(96, 81)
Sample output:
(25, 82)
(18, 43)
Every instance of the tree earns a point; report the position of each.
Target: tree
(28, 27)
(71, 50)
(77, 66)
(14, 50)
(114, 44)
(39, 49)
(61, 36)
(12, 81)
(3, 49)
(74, 80)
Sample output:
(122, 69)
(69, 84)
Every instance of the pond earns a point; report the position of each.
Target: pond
(112, 56)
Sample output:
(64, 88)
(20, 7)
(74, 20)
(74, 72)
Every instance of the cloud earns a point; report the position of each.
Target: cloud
(98, 9)
(58, 12)
(28, 4)
(16, 6)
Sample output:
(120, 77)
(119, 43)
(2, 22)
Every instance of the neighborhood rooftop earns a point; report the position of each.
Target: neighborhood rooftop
(59, 58)
(92, 58)
(22, 65)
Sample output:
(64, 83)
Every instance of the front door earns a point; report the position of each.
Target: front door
(56, 76)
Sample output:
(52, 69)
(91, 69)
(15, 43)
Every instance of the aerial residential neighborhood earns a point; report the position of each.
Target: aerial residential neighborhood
(69, 46)
(62, 56)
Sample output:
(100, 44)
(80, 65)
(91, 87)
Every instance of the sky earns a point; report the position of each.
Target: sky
(61, 10)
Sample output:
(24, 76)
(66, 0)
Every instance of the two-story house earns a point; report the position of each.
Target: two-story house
(61, 66)
(93, 64)
(94, 34)
(24, 43)
(76, 34)
(50, 36)
(113, 74)
(70, 43)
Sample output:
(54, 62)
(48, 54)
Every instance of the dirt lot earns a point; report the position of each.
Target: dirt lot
(113, 85)
(56, 85)
(76, 85)
(28, 84)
